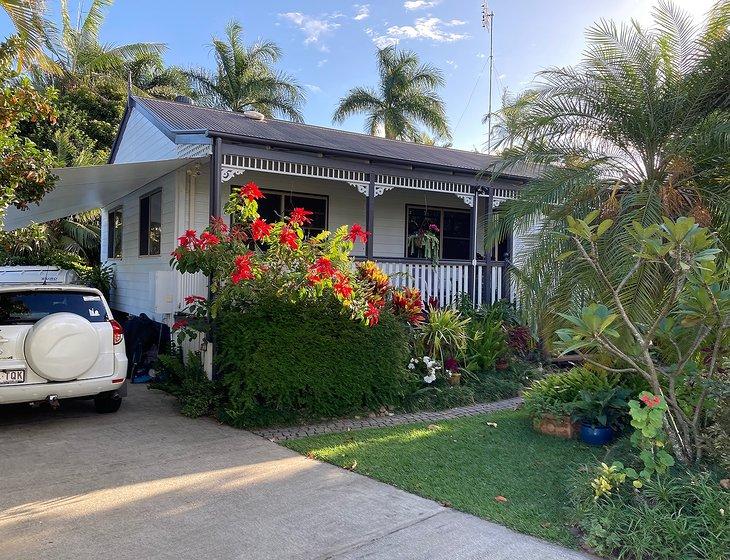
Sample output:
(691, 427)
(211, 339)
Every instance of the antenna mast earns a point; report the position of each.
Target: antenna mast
(488, 23)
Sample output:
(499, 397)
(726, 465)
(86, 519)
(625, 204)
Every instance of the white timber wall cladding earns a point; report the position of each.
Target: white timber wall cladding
(143, 141)
(134, 273)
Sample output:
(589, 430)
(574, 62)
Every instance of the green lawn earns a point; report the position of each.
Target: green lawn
(467, 463)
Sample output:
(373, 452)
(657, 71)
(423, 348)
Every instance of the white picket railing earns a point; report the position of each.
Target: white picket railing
(445, 281)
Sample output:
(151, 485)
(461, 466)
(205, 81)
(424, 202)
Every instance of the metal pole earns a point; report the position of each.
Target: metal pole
(491, 70)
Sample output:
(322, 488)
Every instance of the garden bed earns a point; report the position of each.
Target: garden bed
(469, 464)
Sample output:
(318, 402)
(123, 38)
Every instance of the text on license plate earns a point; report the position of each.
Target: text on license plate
(8, 376)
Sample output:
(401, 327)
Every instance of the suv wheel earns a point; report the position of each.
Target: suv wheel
(106, 403)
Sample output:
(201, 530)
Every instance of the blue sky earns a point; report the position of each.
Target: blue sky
(329, 45)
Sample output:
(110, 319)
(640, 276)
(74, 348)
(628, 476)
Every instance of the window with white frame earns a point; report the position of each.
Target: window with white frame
(114, 234)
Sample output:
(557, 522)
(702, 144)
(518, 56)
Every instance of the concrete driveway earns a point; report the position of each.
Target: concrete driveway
(147, 483)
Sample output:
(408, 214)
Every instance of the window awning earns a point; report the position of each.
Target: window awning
(79, 189)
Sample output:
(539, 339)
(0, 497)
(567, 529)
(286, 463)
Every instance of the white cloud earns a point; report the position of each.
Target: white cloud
(452, 63)
(428, 28)
(321, 63)
(481, 55)
(312, 27)
(419, 4)
(363, 12)
(313, 88)
(380, 41)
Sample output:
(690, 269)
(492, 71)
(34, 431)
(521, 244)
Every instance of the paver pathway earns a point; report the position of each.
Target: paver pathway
(348, 424)
(149, 483)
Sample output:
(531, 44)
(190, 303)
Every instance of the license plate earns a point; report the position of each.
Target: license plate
(8, 376)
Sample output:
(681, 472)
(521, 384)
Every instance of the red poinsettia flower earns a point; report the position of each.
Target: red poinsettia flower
(243, 268)
(320, 270)
(300, 216)
(188, 240)
(208, 239)
(181, 324)
(260, 229)
(357, 232)
(289, 238)
(192, 299)
(238, 233)
(372, 315)
(342, 286)
(218, 224)
(250, 191)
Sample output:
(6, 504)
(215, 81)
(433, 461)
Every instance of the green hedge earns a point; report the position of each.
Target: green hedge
(281, 361)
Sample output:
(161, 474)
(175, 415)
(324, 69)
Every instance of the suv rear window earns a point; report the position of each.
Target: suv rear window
(29, 307)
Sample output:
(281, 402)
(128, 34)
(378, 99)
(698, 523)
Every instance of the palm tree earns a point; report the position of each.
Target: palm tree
(405, 98)
(639, 130)
(245, 79)
(27, 17)
(80, 55)
(151, 77)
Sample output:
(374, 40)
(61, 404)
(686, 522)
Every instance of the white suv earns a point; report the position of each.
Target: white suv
(59, 341)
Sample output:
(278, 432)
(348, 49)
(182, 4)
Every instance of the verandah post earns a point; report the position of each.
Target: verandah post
(214, 211)
(487, 276)
(370, 217)
(473, 267)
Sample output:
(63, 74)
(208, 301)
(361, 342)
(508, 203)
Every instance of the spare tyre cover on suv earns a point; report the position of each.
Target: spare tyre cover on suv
(62, 346)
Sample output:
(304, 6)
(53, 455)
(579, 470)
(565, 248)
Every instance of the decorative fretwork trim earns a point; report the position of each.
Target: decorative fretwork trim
(233, 165)
(467, 198)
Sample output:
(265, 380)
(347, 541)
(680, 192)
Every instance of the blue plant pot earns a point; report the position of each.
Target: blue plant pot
(596, 435)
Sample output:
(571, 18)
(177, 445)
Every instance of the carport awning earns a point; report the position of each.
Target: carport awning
(85, 188)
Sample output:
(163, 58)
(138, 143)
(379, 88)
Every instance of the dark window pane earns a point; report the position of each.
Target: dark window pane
(454, 248)
(316, 205)
(456, 224)
(421, 218)
(114, 235)
(29, 307)
(270, 207)
(155, 223)
(144, 225)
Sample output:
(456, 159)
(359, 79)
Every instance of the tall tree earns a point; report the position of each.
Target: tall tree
(25, 170)
(246, 79)
(639, 130)
(404, 99)
(27, 17)
(82, 57)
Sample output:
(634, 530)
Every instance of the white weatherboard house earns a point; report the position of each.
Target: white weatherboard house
(174, 164)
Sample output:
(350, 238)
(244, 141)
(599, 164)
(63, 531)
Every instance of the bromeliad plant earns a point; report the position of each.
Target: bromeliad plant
(678, 345)
(255, 258)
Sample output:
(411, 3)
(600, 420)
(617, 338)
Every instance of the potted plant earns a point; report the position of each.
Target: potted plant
(425, 242)
(453, 375)
(600, 414)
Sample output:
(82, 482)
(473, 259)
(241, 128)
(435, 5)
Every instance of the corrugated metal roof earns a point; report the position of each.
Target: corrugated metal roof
(183, 117)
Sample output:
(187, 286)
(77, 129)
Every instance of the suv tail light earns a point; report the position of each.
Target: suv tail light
(117, 331)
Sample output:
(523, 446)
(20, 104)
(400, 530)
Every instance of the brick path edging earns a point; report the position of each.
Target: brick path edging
(348, 424)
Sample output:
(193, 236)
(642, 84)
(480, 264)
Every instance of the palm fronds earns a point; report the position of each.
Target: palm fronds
(638, 130)
(405, 98)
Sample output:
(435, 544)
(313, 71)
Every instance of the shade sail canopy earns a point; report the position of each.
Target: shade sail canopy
(79, 189)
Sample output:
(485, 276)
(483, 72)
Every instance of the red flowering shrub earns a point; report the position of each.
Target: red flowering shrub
(256, 258)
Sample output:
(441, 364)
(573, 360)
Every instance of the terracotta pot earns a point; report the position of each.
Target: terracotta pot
(559, 426)
(455, 379)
